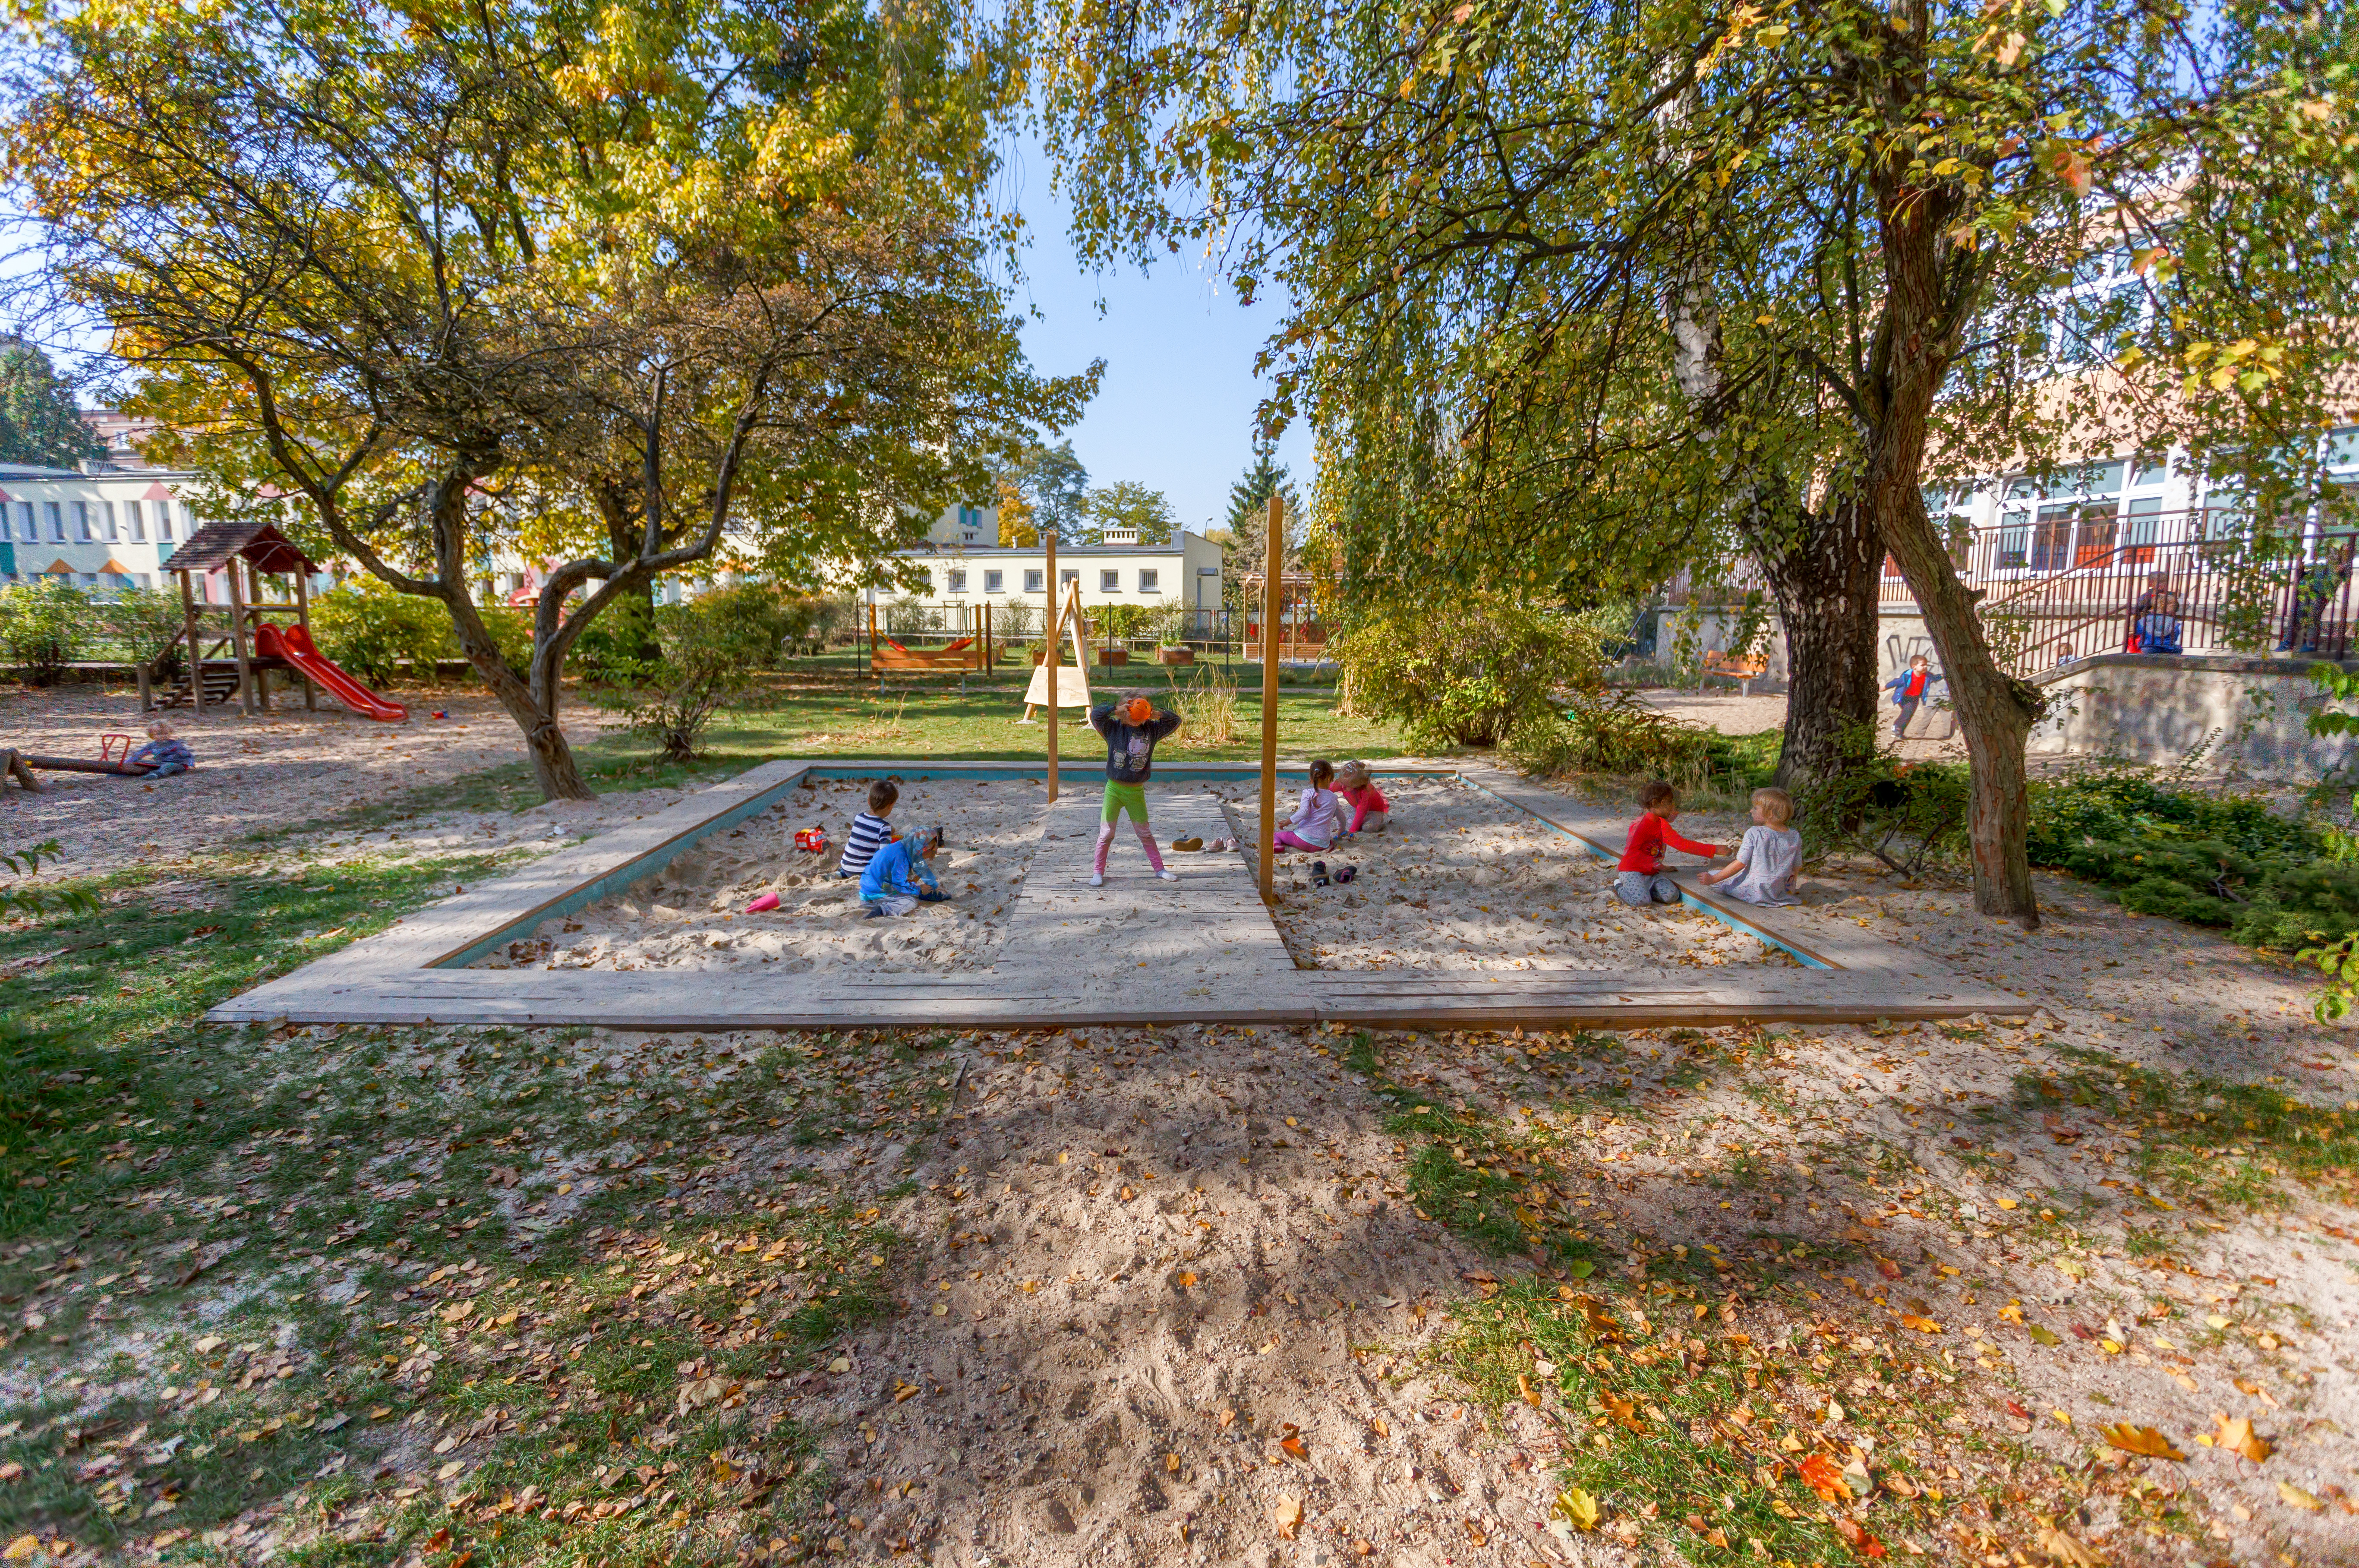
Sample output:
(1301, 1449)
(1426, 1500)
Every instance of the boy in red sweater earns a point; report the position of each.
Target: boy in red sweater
(1639, 879)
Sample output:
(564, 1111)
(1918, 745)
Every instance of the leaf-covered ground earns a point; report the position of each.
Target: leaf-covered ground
(1977, 1293)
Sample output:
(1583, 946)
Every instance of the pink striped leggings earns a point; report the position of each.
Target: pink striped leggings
(1288, 839)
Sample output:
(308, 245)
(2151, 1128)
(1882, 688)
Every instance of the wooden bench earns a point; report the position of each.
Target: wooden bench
(1744, 671)
(968, 654)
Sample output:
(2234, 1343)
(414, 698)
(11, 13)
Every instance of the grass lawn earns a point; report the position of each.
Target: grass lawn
(817, 709)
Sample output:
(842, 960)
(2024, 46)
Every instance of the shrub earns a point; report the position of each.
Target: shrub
(145, 625)
(618, 648)
(1909, 815)
(710, 652)
(1122, 622)
(378, 633)
(44, 626)
(1614, 731)
(767, 620)
(1469, 672)
(2212, 860)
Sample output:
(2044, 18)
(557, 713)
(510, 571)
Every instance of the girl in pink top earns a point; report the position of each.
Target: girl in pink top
(1363, 801)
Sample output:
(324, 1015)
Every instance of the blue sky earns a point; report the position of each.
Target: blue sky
(1175, 409)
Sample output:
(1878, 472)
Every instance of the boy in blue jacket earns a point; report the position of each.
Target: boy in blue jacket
(1910, 687)
(899, 879)
(164, 754)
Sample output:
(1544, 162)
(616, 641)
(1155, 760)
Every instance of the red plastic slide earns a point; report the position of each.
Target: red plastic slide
(294, 644)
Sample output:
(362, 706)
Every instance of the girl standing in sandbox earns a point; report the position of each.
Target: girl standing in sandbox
(1131, 728)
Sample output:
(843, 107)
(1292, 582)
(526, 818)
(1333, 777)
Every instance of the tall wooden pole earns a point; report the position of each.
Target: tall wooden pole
(1056, 604)
(1272, 570)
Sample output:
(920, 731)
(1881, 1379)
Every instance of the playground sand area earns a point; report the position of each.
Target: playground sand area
(691, 915)
(272, 772)
(1462, 880)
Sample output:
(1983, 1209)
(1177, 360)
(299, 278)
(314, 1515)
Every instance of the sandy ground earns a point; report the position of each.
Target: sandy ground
(1462, 880)
(274, 770)
(691, 916)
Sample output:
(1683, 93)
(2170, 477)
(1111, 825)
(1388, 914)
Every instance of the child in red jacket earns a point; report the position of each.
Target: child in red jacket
(1639, 879)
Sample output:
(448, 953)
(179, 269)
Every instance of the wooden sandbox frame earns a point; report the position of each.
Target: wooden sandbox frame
(414, 972)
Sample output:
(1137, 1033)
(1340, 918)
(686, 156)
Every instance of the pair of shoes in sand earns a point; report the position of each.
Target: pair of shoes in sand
(1319, 877)
(1208, 845)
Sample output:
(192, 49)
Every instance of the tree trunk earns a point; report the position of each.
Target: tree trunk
(1995, 710)
(1822, 570)
(634, 629)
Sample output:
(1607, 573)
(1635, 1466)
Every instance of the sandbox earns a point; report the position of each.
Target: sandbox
(1486, 907)
(690, 914)
(1463, 879)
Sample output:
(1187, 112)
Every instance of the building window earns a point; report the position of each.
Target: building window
(164, 522)
(25, 527)
(991, 581)
(57, 521)
(1109, 582)
(138, 524)
(1033, 578)
(958, 583)
(1068, 575)
(111, 534)
(1150, 581)
(82, 522)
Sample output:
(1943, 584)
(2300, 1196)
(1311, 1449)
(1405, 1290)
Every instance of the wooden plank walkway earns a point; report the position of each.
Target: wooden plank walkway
(1135, 950)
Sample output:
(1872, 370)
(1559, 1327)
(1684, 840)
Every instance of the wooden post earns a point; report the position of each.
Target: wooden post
(1056, 617)
(196, 659)
(303, 619)
(237, 638)
(1269, 591)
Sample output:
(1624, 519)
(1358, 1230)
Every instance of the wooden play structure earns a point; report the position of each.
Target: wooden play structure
(1070, 689)
(976, 651)
(230, 649)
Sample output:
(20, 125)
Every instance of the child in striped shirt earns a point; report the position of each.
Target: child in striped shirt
(870, 831)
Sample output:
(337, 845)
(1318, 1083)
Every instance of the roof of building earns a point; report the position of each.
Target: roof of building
(256, 539)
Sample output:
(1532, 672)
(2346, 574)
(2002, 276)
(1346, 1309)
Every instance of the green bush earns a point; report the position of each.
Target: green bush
(2209, 860)
(1909, 815)
(619, 647)
(45, 626)
(1122, 622)
(379, 634)
(710, 652)
(1614, 731)
(1469, 672)
(767, 621)
(144, 625)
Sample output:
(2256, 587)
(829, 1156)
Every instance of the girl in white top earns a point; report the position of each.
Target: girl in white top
(1317, 817)
(1763, 871)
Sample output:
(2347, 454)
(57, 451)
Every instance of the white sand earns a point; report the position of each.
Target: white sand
(690, 914)
(1460, 879)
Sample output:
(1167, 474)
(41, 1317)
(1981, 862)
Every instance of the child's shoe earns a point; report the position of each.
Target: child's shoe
(1346, 874)
(1167, 876)
(1319, 873)
(1187, 844)
(1097, 879)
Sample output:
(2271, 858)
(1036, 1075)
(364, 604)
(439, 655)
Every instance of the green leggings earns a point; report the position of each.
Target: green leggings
(1121, 798)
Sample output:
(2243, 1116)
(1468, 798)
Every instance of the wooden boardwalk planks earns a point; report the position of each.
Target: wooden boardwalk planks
(1135, 950)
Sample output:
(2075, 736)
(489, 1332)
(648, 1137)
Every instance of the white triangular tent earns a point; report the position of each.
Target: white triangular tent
(1073, 683)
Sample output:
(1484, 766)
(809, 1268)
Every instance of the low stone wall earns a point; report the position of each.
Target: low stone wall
(2251, 714)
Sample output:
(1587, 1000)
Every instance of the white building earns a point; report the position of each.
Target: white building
(965, 571)
(110, 528)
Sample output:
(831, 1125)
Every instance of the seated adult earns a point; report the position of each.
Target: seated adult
(2154, 625)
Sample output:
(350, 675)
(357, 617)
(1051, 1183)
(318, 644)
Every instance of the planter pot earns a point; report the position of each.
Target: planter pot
(1176, 655)
(1114, 656)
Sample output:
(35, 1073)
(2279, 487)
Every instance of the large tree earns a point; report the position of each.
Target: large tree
(634, 285)
(39, 422)
(1579, 288)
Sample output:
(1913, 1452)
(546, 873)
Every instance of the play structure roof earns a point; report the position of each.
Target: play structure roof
(257, 539)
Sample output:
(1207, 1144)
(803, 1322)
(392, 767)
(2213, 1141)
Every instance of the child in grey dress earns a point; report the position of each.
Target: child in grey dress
(1763, 871)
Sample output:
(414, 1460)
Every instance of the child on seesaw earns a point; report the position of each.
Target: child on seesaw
(164, 754)
(1130, 726)
(899, 879)
(1763, 871)
(1639, 879)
